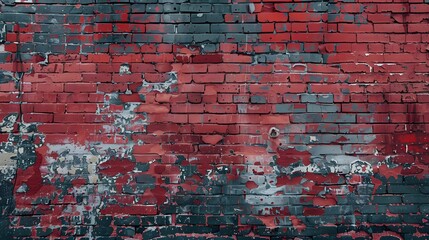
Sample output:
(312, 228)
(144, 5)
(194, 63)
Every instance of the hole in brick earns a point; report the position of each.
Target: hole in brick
(274, 132)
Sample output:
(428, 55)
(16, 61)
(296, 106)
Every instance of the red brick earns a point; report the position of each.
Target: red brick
(272, 17)
(208, 78)
(340, 37)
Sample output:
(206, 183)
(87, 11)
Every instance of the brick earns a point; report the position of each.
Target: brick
(272, 17)
(191, 219)
(195, 7)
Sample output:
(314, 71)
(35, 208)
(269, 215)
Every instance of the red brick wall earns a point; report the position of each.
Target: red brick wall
(226, 119)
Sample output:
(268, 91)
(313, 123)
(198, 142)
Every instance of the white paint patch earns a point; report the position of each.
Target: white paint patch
(161, 87)
(8, 122)
(361, 167)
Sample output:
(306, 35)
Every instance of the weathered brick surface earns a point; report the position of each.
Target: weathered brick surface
(214, 119)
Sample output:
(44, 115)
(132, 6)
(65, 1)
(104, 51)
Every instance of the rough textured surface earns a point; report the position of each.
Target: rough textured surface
(204, 119)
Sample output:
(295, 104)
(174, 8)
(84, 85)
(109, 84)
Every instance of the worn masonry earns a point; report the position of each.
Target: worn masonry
(214, 119)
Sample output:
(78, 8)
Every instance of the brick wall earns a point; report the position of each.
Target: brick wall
(214, 119)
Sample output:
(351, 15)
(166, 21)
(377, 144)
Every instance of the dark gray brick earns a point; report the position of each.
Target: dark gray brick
(288, 108)
(318, 6)
(403, 208)
(338, 210)
(104, 18)
(240, 8)
(154, 8)
(222, 220)
(222, 8)
(127, 221)
(16, 17)
(19, 9)
(225, 28)
(389, 199)
(211, 38)
(241, 38)
(305, 58)
(21, 232)
(414, 218)
(144, 38)
(384, 219)
(193, 28)
(424, 208)
(206, 18)
(325, 98)
(191, 219)
(143, 1)
(393, 188)
(205, 209)
(258, 99)
(252, 28)
(126, 231)
(308, 98)
(105, 8)
(176, 18)
(210, 1)
(114, 38)
(322, 108)
(238, 18)
(156, 220)
(102, 231)
(178, 38)
(138, 8)
(195, 7)
(171, 8)
(415, 198)
(162, 28)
